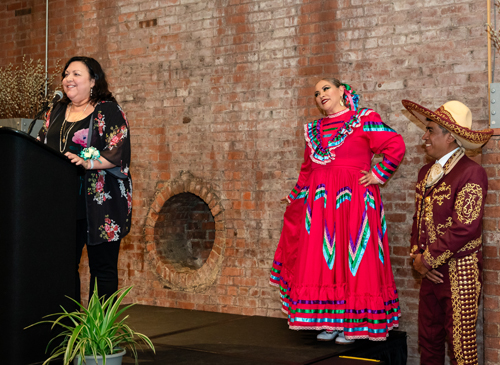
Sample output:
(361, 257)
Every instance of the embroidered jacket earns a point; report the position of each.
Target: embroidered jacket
(447, 219)
(108, 192)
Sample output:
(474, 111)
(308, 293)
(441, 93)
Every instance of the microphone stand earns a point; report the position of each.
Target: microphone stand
(32, 124)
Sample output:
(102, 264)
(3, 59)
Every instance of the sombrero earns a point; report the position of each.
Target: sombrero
(455, 117)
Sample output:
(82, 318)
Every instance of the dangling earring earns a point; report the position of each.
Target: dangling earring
(342, 101)
(90, 91)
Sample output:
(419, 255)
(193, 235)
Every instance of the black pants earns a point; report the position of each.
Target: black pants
(103, 263)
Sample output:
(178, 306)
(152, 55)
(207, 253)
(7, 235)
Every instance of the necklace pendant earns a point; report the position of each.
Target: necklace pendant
(64, 140)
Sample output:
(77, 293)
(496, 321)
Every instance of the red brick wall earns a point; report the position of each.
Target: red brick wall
(242, 72)
(21, 34)
(491, 292)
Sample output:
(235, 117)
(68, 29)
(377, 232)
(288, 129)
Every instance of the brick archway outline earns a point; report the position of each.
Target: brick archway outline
(188, 280)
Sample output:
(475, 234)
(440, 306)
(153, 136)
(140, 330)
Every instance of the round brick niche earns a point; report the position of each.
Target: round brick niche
(185, 234)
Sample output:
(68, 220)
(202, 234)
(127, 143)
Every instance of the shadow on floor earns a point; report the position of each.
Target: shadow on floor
(195, 337)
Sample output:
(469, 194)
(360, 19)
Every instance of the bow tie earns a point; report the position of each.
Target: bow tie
(435, 174)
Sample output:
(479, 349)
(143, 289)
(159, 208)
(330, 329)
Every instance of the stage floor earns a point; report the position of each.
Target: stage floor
(195, 337)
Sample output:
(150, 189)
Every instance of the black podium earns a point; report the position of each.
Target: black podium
(37, 242)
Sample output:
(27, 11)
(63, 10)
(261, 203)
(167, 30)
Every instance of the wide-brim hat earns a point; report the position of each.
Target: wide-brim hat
(455, 117)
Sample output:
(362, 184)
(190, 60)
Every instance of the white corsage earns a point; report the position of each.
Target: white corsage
(90, 153)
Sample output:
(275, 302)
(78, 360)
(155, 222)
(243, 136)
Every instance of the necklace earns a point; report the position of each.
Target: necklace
(337, 113)
(63, 136)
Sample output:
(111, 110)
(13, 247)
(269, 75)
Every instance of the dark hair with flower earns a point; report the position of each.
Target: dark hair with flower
(100, 91)
(351, 98)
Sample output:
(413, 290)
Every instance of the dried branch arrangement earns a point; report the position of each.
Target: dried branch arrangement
(22, 88)
(494, 34)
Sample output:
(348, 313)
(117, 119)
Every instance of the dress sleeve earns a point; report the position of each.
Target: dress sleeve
(305, 170)
(464, 235)
(116, 139)
(383, 140)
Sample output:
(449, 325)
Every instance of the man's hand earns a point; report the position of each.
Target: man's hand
(433, 275)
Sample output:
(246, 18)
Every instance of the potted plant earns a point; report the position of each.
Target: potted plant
(94, 335)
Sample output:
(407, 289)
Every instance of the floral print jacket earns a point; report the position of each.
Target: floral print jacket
(108, 192)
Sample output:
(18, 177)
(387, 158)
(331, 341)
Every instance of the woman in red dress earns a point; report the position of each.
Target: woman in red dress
(332, 262)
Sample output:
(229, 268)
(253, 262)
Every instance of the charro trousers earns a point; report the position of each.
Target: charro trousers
(450, 310)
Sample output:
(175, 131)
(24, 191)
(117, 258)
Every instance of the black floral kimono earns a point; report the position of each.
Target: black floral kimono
(108, 193)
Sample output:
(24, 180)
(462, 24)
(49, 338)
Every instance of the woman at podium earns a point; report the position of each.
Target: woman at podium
(91, 129)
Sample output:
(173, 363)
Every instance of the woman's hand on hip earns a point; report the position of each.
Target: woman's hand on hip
(285, 200)
(368, 179)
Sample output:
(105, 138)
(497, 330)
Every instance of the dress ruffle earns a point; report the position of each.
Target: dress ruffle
(359, 316)
(312, 134)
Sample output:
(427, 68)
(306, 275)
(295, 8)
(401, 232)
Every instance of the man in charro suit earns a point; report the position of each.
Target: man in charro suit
(446, 234)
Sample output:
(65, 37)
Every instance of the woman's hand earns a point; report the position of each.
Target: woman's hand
(100, 164)
(285, 200)
(77, 160)
(368, 179)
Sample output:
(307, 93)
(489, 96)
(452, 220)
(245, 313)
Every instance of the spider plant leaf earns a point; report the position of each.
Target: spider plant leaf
(69, 354)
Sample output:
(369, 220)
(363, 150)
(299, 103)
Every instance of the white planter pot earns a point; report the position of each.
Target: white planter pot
(115, 359)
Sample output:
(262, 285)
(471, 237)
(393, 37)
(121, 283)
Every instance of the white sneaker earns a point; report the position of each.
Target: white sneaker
(327, 336)
(341, 340)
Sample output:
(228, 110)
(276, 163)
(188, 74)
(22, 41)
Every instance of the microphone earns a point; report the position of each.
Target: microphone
(57, 96)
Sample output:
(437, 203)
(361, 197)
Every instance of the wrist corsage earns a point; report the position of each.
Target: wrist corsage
(90, 153)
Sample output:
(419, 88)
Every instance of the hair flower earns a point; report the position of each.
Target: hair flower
(351, 98)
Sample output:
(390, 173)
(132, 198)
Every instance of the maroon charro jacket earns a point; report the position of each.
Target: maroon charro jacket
(447, 219)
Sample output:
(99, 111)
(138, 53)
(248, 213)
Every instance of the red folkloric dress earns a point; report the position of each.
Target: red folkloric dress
(332, 262)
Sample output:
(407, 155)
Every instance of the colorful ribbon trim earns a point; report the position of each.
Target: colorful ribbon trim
(321, 155)
(384, 170)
